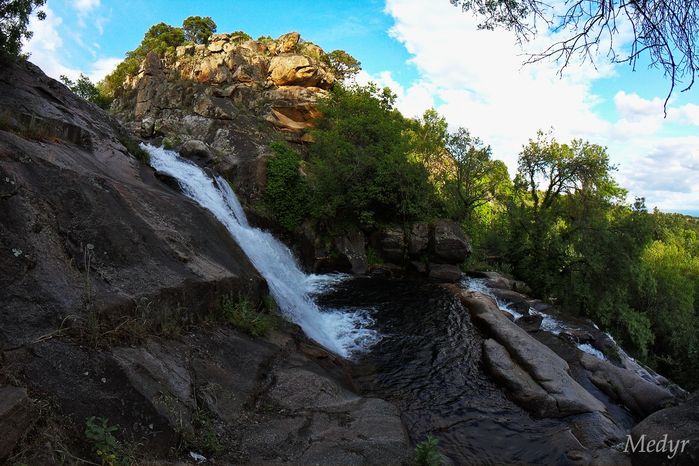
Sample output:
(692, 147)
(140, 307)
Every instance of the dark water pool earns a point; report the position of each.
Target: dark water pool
(429, 364)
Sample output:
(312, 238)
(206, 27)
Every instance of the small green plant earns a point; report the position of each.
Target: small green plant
(170, 143)
(427, 453)
(244, 315)
(205, 438)
(373, 257)
(135, 150)
(105, 445)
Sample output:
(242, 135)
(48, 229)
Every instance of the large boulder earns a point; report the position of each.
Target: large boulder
(392, 245)
(444, 272)
(299, 70)
(526, 366)
(418, 239)
(674, 433)
(352, 249)
(149, 81)
(287, 42)
(450, 245)
(638, 395)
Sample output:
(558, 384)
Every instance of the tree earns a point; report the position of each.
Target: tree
(160, 38)
(14, 17)
(84, 88)
(286, 193)
(547, 169)
(198, 29)
(471, 180)
(360, 173)
(343, 64)
(666, 30)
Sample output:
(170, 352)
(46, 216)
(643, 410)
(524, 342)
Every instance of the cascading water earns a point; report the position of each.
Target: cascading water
(342, 331)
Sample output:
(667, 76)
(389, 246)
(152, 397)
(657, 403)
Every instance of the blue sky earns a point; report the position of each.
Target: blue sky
(430, 54)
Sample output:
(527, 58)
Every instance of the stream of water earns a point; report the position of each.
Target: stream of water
(343, 331)
(411, 342)
(428, 363)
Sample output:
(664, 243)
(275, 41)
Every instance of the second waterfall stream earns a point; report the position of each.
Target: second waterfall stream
(342, 331)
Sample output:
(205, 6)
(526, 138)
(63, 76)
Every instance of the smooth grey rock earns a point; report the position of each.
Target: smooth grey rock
(351, 247)
(15, 418)
(679, 423)
(449, 243)
(530, 323)
(535, 359)
(638, 395)
(418, 239)
(444, 272)
(393, 246)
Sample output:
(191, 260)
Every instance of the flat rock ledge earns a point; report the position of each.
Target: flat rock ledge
(535, 376)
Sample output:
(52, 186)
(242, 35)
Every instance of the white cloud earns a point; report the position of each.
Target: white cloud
(479, 78)
(412, 101)
(48, 51)
(102, 67)
(665, 171)
(85, 6)
(46, 44)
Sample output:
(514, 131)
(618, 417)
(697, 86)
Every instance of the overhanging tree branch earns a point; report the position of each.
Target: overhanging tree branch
(666, 31)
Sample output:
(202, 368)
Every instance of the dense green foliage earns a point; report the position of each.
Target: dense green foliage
(161, 39)
(14, 17)
(562, 224)
(286, 194)
(245, 316)
(85, 88)
(343, 64)
(360, 171)
(198, 29)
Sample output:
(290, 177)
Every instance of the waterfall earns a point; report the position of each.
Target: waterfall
(343, 331)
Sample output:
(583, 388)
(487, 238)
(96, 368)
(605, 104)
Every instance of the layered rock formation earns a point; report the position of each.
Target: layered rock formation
(102, 267)
(87, 226)
(232, 95)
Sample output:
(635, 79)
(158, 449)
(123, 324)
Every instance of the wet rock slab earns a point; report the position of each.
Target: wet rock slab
(538, 377)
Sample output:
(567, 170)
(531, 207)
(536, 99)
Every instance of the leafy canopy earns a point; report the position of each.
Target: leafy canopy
(359, 163)
(198, 29)
(14, 17)
(85, 88)
(666, 30)
(343, 64)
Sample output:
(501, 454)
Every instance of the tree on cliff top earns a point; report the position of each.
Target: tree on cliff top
(667, 30)
(198, 29)
(160, 38)
(343, 64)
(14, 17)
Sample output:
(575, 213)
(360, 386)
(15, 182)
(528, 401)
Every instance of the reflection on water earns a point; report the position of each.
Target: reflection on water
(429, 363)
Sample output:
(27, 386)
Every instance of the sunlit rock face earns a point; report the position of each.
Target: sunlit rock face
(233, 94)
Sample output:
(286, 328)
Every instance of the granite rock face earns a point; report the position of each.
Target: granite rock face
(87, 227)
(232, 94)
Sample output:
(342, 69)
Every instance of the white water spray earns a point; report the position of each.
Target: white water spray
(341, 331)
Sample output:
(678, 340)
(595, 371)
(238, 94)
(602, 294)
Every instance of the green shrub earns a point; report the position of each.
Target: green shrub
(246, 316)
(135, 149)
(85, 89)
(427, 453)
(287, 191)
(240, 36)
(105, 445)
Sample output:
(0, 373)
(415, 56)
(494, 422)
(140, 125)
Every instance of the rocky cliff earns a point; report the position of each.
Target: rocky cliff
(228, 98)
(110, 280)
